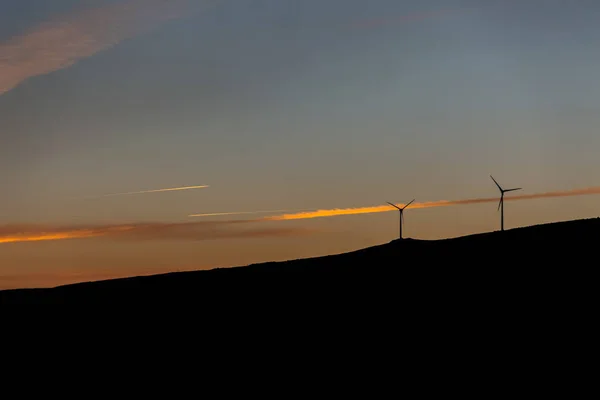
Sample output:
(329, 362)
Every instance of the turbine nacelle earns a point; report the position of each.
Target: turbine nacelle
(502, 191)
(401, 210)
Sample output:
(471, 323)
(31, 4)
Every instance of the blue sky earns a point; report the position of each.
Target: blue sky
(280, 104)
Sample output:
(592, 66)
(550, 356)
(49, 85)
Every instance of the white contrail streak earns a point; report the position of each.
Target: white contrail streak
(156, 191)
(241, 213)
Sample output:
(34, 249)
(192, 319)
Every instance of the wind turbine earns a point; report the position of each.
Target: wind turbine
(401, 213)
(501, 204)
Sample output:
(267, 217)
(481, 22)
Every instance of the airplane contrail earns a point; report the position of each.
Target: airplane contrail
(155, 191)
(441, 203)
(241, 213)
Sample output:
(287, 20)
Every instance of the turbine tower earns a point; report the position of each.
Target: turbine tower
(501, 203)
(401, 213)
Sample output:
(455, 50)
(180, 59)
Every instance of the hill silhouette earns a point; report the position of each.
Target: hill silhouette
(549, 259)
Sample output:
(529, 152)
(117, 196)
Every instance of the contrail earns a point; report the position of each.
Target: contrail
(62, 42)
(155, 191)
(441, 203)
(241, 213)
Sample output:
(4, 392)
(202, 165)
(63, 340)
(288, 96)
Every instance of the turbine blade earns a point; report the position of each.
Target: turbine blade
(408, 204)
(393, 205)
(500, 203)
(499, 187)
(512, 190)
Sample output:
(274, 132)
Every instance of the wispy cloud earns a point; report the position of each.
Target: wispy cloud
(60, 43)
(441, 203)
(206, 230)
(155, 191)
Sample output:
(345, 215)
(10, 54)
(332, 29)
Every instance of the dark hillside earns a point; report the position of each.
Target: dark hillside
(553, 258)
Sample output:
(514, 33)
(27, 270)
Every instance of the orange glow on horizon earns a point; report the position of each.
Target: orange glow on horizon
(62, 235)
(49, 236)
(149, 231)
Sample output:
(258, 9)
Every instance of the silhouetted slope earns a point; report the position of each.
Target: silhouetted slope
(515, 263)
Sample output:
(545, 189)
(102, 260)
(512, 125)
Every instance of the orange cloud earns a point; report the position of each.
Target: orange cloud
(46, 234)
(441, 203)
(60, 43)
(145, 231)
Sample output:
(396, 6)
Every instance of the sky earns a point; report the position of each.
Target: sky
(149, 136)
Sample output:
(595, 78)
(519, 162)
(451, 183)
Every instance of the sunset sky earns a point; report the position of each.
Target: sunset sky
(148, 136)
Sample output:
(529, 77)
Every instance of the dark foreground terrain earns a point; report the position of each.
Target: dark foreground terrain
(541, 263)
(480, 314)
